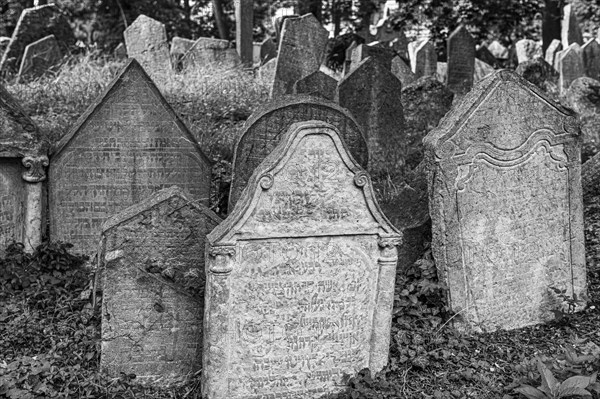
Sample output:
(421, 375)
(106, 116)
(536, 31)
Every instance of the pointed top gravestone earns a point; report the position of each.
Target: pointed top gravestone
(461, 60)
(301, 51)
(552, 51)
(527, 50)
(425, 59)
(505, 202)
(146, 41)
(264, 129)
(402, 71)
(498, 50)
(39, 57)
(570, 66)
(482, 70)
(300, 277)
(570, 31)
(127, 145)
(317, 84)
(378, 53)
(591, 59)
(484, 54)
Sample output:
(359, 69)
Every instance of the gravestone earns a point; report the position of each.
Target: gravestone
(179, 47)
(120, 51)
(212, 53)
(348, 58)
(482, 53)
(552, 51)
(442, 72)
(591, 59)
(371, 92)
(583, 97)
(461, 60)
(39, 57)
(264, 129)
(268, 50)
(244, 21)
(34, 24)
(481, 70)
(300, 277)
(541, 74)
(527, 50)
(152, 263)
(570, 31)
(317, 84)
(266, 72)
(402, 71)
(425, 59)
(127, 145)
(146, 41)
(301, 51)
(4, 41)
(498, 50)
(400, 46)
(570, 66)
(379, 54)
(505, 202)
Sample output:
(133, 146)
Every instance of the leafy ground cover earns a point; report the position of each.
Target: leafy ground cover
(49, 329)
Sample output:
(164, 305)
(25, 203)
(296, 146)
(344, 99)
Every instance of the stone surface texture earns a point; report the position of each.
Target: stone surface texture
(267, 71)
(504, 177)
(120, 51)
(146, 41)
(317, 84)
(39, 57)
(461, 60)
(301, 51)
(152, 265)
(402, 71)
(299, 294)
(378, 53)
(583, 97)
(481, 70)
(482, 53)
(527, 50)
(552, 51)
(213, 53)
(541, 74)
(425, 60)
(570, 66)
(126, 146)
(570, 30)
(265, 128)
(34, 24)
(498, 50)
(244, 21)
(268, 50)
(4, 41)
(591, 59)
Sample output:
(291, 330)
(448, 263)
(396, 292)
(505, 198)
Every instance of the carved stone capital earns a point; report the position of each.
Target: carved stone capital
(221, 259)
(35, 172)
(388, 252)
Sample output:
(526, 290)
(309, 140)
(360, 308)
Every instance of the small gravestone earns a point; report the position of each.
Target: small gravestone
(570, 30)
(371, 92)
(425, 59)
(264, 129)
(300, 277)
(179, 47)
(442, 72)
(126, 146)
(120, 51)
(583, 97)
(541, 74)
(527, 50)
(317, 84)
(461, 61)
(152, 263)
(498, 50)
(551, 52)
(484, 54)
(212, 53)
(505, 202)
(267, 72)
(481, 70)
(570, 66)
(34, 24)
(348, 58)
(591, 59)
(378, 53)
(244, 22)
(402, 71)
(301, 51)
(40, 57)
(268, 50)
(146, 41)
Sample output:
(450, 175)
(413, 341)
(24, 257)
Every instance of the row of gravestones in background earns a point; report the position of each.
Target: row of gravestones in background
(299, 278)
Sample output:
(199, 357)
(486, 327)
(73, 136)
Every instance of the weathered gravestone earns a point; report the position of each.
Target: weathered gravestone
(301, 51)
(378, 53)
(22, 160)
(481, 70)
(244, 19)
(570, 31)
(120, 51)
(152, 262)
(39, 57)
(498, 50)
(552, 51)
(179, 47)
(425, 60)
(583, 97)
(268, 50)
(591, 59)
(34, 24)
(482, 53)
(461, 61)
(146, 41)
(442, 72)
(300, 277)
(570, 66)
(505, 202)
(371, 92)
(541, 74)
(264, 129)
(402, 71)
(317, 84)
(527, 50)
(127, 145)
(348, 58)
(267, 72)
(209, 52)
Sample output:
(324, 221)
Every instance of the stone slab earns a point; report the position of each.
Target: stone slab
(120, 51)
(583, 96)
(402, 71)
(244, 22)
(378, 53)
(211, 53)
(268, 50)
(318, 84)
(591, 59)
(12, 202)
(570, 30)
(425, 59)
(527, 50)
(498, 50)
(40, 57)
(461, 60)
(482, 70)
(146, 41)
(570, 66)
(551, 52)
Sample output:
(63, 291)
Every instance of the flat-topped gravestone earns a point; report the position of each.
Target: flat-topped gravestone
(425, 59)
(264, 129)
(402, 71)
(146, 41)
(301, 51)
(461, 60)
(570, 66)
(378, 53)
(244, 22)
(126, 146)
(317, 84)
(300, 277)
(371, 92)
(40, 57)
(152, 262)
(209, 52)
(591, 59)
(551, 52)
(527, 50)
(570, 30)
(504, 174)
(34, 24)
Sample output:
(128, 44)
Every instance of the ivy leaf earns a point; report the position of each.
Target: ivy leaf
(549, 383)
(572, 391)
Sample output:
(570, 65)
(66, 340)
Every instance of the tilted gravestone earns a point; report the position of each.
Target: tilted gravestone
(22, 160)
(378, 53)
(317, 84)
(127, 145)
(461, 60)
(552, 51)
(527, 50)
(425, 60)
(146, 41)
(570, 66)
(504, 173)
(179, 47)
(120, 51)
(402, 71)
(498, 50)
(591, 59)
(39, 57)
(152, 263)
(301, 51)
(583, 97)
(570, 30)
(214, 53)
(300, 277)
(264, 129)
(268, 50)
(348, 58)
(481, 70)
(482, 53)
(371, 92)
(34, 24)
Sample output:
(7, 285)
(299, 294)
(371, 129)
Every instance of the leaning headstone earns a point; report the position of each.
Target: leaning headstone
(120, 51)
(268, 50)
(402, 71)
(591, 59)
(527, 50)
(266, 72)
(348, 58)
(498, 50)
(505, 202)
(213, 53)
(482, 53)
(179, 47)
(570, 31)
(378, 53)
(425, 59)
(126, 146)
(244, 22)
(263, 130)
(300, 277)
(317, 84)
(570, 66)
(34, 24)
(40, 57)
(552, 50)
(461, 61)
(583, 97)
(146, 41)
(481, 70)
(301, 51)
(371, 92)
(152, 262)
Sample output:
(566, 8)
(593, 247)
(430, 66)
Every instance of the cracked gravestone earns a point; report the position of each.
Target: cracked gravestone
(146, 41)
(39, 57)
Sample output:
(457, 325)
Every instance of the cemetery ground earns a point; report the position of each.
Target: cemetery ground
(49, 315)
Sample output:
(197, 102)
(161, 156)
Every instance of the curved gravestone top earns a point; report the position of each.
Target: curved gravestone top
(263, 131)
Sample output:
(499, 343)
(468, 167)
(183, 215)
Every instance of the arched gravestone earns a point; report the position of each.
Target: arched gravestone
(127, 145)
(152, 262)
(263, 131)
(300, 277)
(504, 174)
